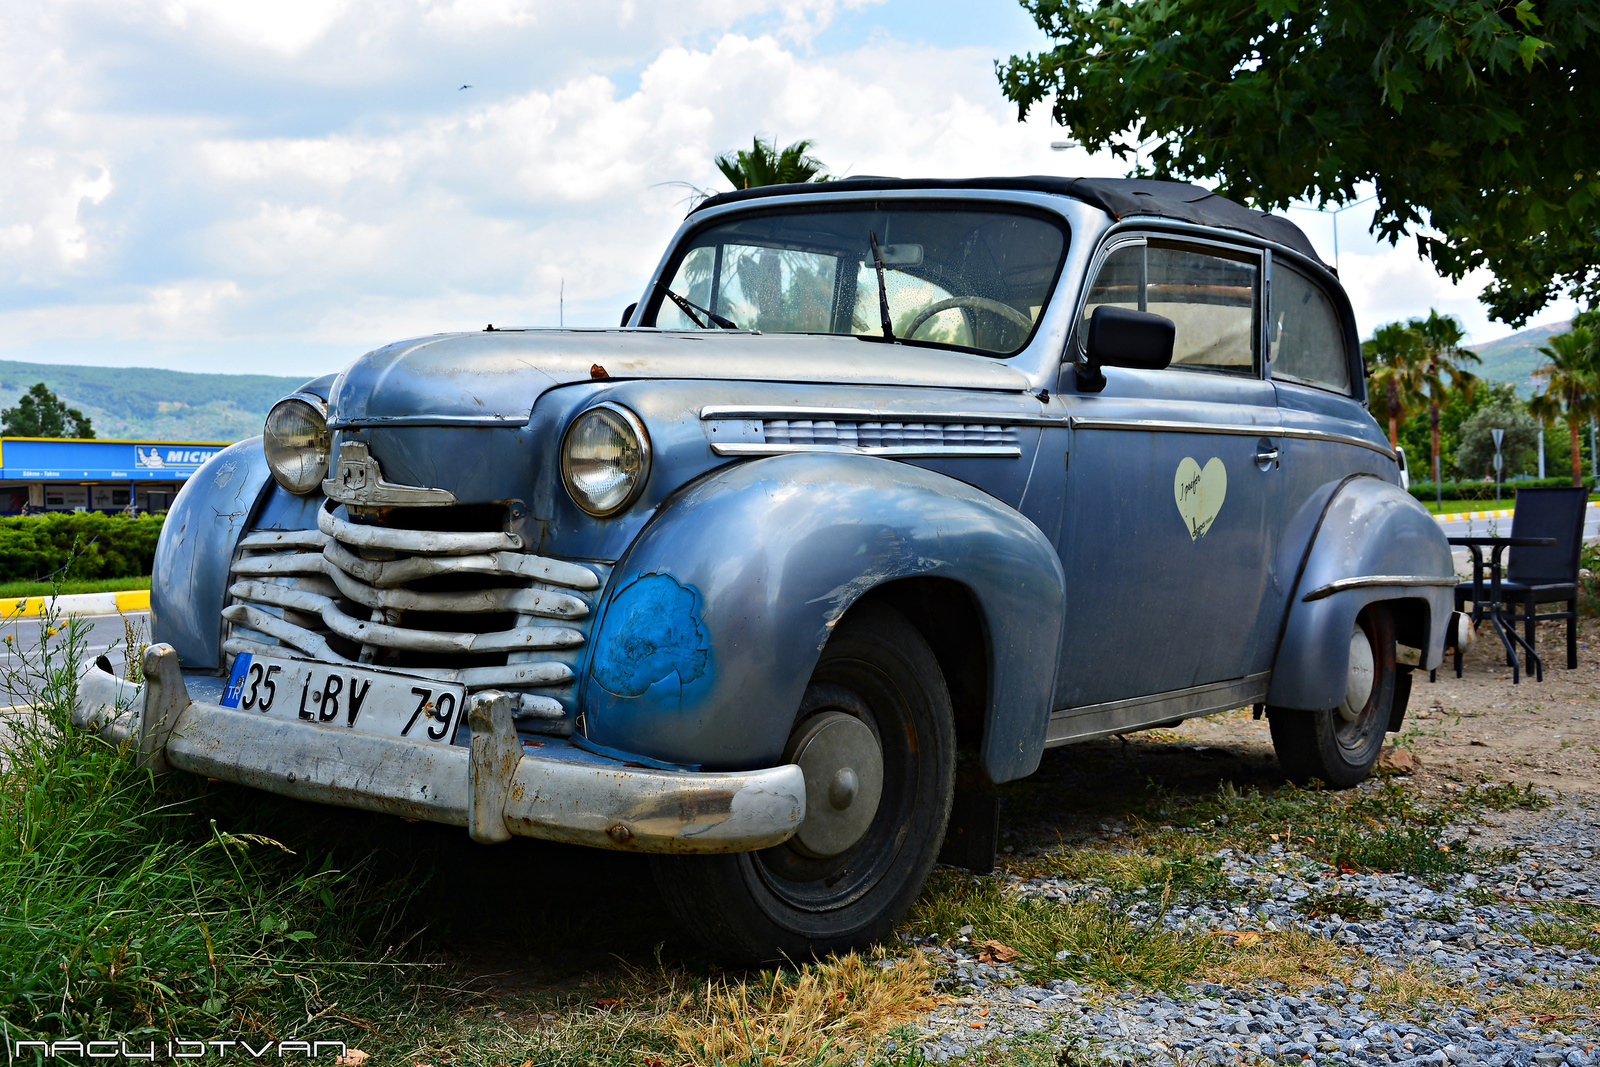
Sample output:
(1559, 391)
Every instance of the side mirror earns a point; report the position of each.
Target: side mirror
(627, 313)
(1121, 337)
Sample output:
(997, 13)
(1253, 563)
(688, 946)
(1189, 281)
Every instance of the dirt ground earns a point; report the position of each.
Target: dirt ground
(1479, 727)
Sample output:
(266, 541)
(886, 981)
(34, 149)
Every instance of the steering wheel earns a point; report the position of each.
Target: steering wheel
(980, 303)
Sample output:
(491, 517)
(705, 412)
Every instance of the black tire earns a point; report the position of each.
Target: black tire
(782, 903)
(1329, 746)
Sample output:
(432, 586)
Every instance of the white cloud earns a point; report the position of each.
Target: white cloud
(210, 176)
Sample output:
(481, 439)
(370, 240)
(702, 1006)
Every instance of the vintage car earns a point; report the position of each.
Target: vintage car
(882, 488)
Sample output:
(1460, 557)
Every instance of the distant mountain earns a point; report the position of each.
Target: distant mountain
(144, 403)
(1512, 359)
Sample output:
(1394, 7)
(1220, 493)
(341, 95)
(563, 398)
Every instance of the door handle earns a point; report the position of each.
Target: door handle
(1268, 456)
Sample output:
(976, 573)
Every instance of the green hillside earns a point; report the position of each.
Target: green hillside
(1512, 359)
(158, 405)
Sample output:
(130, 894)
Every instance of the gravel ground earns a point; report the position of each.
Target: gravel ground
(1480, 950)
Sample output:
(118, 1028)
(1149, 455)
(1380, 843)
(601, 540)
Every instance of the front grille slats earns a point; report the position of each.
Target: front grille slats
(864, 434)
(486, 614)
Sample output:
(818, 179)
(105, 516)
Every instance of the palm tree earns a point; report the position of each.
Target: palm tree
(1571, 385)
(1442, 370)
(765, 164)
(1395, 356)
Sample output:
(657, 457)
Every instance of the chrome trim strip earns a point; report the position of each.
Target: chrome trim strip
(1236, 430)
(897, 451)
(427, 420)
(992, 418)
(1370, 581)
(1119, 716)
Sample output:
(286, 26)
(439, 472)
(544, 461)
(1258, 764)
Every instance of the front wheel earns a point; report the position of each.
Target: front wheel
(1339, 746)
(876, 739)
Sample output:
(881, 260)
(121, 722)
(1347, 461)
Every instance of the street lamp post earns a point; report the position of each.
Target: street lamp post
(1499, 436)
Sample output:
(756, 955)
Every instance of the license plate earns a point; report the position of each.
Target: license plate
(354, 698)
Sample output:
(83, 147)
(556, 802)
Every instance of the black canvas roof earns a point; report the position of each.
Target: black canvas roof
(1117, 197)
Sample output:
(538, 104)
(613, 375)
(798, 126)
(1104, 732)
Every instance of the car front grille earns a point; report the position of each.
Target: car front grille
(465, 605)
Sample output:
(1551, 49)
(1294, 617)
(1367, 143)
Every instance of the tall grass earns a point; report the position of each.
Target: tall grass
(136, 907)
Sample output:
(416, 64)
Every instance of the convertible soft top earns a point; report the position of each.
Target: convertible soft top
(1117, 197)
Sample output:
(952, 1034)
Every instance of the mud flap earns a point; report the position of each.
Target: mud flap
(1402, 697)
(973, 835)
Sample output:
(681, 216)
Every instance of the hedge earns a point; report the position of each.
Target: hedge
(1485, 490)
(77, 544)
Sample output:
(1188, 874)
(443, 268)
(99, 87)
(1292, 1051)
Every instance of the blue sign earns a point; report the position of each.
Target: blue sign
(38, 459)
(241, 667)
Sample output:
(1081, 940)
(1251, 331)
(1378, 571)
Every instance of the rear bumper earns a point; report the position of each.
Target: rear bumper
(496, 788)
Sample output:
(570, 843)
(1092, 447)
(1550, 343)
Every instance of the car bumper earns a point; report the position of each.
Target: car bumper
(496, 787)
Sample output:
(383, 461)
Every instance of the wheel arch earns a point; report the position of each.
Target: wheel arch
(1373, 543)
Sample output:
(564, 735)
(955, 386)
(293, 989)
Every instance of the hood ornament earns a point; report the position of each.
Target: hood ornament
(358, 481)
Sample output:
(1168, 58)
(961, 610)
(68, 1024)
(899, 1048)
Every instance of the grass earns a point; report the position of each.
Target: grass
(97, 585)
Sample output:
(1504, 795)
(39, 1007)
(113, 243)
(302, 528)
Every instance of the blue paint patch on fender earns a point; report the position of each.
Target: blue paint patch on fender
(652, 631)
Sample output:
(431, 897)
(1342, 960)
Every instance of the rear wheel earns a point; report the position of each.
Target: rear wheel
(875, 737)
(1339, 746)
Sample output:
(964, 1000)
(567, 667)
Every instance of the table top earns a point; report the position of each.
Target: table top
(1514, 542)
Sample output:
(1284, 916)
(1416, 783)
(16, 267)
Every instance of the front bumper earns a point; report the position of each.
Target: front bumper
(496, 788)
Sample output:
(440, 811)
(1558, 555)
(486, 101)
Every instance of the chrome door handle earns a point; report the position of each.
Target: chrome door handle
(1268, 457)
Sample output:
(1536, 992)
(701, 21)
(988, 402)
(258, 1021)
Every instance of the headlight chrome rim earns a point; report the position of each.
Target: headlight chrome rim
(631, 425)
(298, 468)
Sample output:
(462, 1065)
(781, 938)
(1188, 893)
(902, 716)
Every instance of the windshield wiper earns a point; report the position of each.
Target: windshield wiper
(883, 288)
(689, 307)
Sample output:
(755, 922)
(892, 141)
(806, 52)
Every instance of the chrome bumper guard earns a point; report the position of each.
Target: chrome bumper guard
(495, 788)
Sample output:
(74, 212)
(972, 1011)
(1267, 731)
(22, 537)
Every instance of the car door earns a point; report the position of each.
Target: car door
(1168, 533)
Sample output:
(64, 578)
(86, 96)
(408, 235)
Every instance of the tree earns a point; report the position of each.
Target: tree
(765, 164)
(1519, 447)
(1395, 358)
(1571, 385)
(1472, 118)
(1442, 371)
(40, 413)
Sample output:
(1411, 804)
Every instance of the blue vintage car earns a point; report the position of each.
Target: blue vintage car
(878, 479)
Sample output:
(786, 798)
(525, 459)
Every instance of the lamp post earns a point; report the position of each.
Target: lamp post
(1499, 462)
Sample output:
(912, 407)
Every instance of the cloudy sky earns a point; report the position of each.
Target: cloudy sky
(279, 185)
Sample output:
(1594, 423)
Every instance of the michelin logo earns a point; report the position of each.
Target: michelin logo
(156, 457)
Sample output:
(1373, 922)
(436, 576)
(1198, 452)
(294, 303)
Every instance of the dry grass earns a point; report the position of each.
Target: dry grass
(828, 1012)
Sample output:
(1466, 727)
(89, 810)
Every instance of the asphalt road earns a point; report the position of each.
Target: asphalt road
(102, 635)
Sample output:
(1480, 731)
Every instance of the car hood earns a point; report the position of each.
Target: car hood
(496, 377)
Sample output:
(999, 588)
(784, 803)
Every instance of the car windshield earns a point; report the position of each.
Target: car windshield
(972, 279)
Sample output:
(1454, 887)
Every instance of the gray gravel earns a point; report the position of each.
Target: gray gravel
(1469, 945)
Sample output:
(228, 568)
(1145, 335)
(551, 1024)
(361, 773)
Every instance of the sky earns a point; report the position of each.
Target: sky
(279, 186)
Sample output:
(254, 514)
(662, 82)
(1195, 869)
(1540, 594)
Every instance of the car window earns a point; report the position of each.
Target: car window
(1210, 298)
(1305, 334)
(974, 279)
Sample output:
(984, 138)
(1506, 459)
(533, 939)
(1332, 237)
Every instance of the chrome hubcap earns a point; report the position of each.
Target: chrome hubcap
(1358, 682)
(843, 765)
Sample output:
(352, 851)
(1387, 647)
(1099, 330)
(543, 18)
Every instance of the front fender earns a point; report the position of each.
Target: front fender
(190, 575)
(715, 617)
(1369, 530)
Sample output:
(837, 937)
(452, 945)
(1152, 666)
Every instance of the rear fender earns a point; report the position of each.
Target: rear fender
(714, 619)
(1369, 530)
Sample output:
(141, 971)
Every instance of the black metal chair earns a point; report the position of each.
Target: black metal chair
(1536, 575)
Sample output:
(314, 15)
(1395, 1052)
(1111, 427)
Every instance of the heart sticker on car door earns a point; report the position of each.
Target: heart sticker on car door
(1199, 492)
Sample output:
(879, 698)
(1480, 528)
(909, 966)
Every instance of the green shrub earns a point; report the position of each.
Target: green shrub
(1485, 490)
(77, 545)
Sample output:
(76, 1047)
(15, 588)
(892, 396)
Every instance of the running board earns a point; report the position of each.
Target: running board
(1158, 709)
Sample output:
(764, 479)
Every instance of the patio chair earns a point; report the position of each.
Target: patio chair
(1541, 575)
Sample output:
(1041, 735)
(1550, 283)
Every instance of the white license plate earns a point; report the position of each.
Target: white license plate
(355, 698)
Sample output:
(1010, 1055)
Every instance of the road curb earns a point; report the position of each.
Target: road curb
(1503, 513)
(76, 604)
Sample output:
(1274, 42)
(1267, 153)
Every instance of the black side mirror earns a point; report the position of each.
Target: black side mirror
(1121, 337)
(627, 313)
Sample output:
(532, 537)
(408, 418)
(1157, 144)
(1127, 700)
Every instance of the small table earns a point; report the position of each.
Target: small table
(1476, 545)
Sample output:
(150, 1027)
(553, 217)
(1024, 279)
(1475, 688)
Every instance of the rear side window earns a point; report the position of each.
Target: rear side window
(1211, 299)
(1306, 336)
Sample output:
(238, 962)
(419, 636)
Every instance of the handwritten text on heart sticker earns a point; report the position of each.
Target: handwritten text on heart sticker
(1200, 493)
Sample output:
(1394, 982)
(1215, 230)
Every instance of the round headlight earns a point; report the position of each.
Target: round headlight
(605, 459)
(297, 443)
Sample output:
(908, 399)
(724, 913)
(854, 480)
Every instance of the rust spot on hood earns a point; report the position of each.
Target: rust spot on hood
(597, 372)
